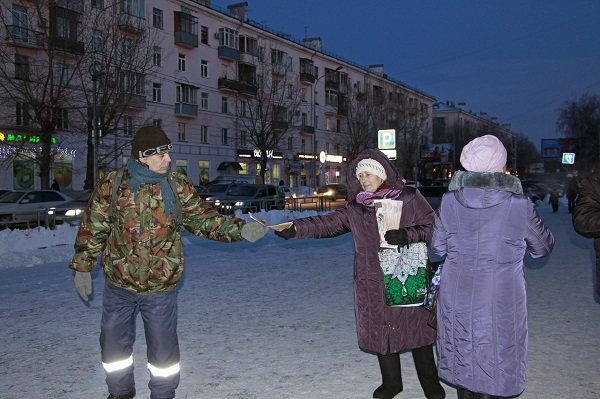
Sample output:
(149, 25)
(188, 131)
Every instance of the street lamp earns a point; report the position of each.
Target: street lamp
(314, 146)
(96, 72)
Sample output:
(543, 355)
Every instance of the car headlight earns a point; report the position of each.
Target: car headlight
(73, 212)
(217, 202)
(208, 198)
(239, 203)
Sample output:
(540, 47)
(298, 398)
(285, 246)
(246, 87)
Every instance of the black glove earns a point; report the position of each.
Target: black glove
(288, 233)
(396, 237)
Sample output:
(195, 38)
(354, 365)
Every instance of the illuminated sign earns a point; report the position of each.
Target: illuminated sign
(19, 138)
(257, 154)
(568, 158)
(386, 139)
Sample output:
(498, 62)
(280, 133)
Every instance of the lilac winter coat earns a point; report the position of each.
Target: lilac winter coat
(484, 228)
(380, 328)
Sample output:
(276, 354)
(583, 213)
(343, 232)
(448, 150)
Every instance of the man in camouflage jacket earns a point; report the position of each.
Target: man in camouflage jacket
(142, 259)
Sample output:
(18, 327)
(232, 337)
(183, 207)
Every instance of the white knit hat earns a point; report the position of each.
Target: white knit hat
(484, 154)
(372, 166)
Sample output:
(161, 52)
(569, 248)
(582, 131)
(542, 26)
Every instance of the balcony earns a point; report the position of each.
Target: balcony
(332, 85)
(360, 96)
(24, 37)
(279, 69)
(68, 45)
(248, 58)
(307, 77)
(186, 110)
(228, 85)
(186, 39)
(412, 111)
(280, 125)
(136, 101)
(378, 99)
(307, 129)
(228, 53)
(248, 88)
(132, 23)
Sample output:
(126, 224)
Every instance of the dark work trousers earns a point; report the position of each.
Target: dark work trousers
(117, 335)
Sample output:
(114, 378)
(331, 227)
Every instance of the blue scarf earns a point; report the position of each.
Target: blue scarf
(142, 175)
(367, 198)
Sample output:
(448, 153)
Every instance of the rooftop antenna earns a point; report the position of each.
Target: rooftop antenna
(305, 32)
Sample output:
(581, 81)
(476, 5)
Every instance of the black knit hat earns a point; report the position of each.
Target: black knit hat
(148, 141)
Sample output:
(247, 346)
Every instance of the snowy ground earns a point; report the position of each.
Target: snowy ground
(268, 320)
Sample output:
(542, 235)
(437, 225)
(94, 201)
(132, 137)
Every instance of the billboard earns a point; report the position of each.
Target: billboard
(442, 153)
(554, 148)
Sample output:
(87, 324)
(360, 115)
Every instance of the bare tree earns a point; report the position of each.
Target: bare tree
(268, 101)
(580, 119)
(44, 46)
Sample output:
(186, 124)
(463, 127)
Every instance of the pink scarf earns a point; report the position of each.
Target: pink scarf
(367, 198)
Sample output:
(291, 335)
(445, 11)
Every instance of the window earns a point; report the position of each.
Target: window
(304, 119)
(157, 56)
(303, 94)
(181, 131)
(182, 62)
(187, 94)
(20, 23)
(331, 98)
(204, 68)
(243, 108)
(97, 4)
(22, 117)
(133, 7)
(96, 41)
(224, 104)
(157, 92)
(242, 138)
(127, 48)
(157, 18)
(204, 101)
(290, 143)
(157, 122)
(127, 125)
(61, 74)
(224, 136)
(327, 124)
(228, 38)
(204, 134)
(303, 145)
(204, 35)
(21, 67)
(62, 118)
(132, 83)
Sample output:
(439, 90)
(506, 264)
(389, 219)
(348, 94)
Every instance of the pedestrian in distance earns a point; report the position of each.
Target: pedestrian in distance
(137, 232)
(55, 185)
(483, 227)
(571, 191)
(382, 329)
(586, 216)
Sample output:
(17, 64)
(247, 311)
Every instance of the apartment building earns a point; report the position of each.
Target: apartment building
(235, 96)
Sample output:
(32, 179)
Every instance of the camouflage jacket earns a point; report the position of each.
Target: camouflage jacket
(142, 250)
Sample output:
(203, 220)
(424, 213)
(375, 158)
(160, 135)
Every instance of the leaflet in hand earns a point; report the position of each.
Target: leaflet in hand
(278, 227)
(388, 213)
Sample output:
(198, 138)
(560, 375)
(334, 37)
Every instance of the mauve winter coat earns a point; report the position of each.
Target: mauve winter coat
(484, 229)
(380, 328)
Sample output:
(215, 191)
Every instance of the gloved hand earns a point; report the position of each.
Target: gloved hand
(288, 233)
(254, 231)
(397, 237)
(83, 284)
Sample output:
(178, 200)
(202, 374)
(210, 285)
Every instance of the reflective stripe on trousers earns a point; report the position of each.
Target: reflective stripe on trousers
(117, 336)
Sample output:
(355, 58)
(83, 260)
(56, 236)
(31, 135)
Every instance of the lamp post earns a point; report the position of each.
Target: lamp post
(314, 146)
(96, 72)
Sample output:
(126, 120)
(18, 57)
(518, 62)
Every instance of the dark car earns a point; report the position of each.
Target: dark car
(332, 191)
(251, 198)
(216, 190)
(71, 211)
(433, 194)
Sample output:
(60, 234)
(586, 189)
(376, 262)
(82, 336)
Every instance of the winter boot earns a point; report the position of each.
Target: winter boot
(129, 395)
(391, 376)
(463, 393)
(427, 372)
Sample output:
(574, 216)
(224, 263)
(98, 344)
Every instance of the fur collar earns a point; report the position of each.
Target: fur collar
(485, 180)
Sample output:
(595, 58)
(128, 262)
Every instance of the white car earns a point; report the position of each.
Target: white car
(28, 206)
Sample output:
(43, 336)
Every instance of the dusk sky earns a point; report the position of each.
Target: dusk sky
(517, 60)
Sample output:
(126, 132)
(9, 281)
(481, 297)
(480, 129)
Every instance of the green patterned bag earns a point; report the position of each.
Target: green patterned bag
(405, 274)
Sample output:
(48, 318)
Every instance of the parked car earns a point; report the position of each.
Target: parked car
(287, 193)
(251, 198)
(28, 206)
(546, 185)
(332, 191)
(71, 211)
(217, 190)
(4, 191)
(536, 189)
(433, 194)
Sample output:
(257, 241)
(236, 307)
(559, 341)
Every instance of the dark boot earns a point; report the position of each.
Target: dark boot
(391, 376)
(484, 396)
(463, 393)
(129, 395)
(427, 372)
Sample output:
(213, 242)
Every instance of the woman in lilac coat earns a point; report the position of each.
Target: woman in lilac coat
(381, 329)
(484, 226)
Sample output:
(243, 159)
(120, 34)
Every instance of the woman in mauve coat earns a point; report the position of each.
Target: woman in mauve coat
(381, 329)
(484, 226)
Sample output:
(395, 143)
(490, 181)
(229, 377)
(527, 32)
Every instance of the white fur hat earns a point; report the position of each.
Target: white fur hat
(372, 166)
(484, 154)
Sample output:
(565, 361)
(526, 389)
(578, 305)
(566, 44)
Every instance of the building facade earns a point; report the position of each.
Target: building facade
(233, 95)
